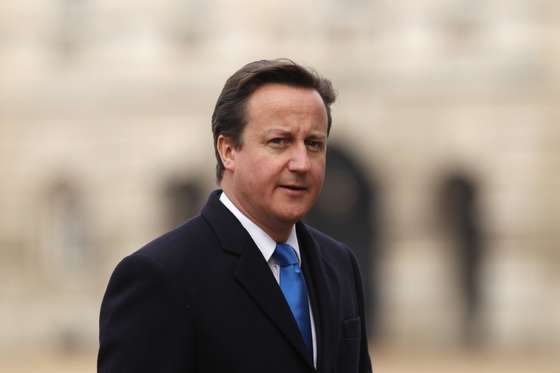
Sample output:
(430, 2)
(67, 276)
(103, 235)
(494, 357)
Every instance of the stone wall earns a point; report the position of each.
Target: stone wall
(102, 104)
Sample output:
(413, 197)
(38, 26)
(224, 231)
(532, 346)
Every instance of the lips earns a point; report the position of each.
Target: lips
(298, 188)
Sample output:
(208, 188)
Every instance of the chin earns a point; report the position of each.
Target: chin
(292, 217)
(291, 211)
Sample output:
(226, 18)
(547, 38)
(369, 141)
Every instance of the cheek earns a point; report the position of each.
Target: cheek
(264, 173)
(269, 167)
(319, 171)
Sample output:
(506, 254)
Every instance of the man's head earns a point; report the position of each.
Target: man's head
(270, 126)
(229, 117)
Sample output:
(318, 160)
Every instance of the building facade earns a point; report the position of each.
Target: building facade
(105, 143)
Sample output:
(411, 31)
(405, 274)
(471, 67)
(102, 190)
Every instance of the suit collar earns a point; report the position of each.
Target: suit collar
(233, 238)
(264, 242)
(252, 271)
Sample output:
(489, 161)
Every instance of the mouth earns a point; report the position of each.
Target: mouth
(295, 188)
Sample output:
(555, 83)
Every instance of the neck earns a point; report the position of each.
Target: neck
(276, 235)
(279, 231)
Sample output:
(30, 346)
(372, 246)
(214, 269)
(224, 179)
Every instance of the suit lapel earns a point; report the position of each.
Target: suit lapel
(253, 272)
(255, 276)
(325, 293)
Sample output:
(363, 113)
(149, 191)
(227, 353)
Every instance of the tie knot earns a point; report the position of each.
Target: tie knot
(285, 255)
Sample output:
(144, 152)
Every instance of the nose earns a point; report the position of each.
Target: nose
(300, 161)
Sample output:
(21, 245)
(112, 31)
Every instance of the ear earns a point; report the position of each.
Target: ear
(226, 149)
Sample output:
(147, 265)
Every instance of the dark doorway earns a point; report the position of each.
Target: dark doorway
(459, 204)
(348, 210)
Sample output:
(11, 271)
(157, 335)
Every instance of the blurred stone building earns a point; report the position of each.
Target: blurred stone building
(105, 143)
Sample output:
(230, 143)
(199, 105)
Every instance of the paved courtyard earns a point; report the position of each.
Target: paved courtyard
(386, 361)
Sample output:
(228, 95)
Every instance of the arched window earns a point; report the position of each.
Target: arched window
(190, 22)
(65, 238)
(183, 200)
(71, 26)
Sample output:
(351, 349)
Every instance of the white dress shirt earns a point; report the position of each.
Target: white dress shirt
(267, 245)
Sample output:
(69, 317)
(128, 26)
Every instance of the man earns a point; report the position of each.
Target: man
(246, 286)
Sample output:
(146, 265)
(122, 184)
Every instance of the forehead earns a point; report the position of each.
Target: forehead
(281, 101)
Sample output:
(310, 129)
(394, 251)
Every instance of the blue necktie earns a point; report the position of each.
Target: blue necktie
(292, 284)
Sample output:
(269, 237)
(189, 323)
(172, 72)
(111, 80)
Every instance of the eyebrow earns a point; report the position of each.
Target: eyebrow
(282, 132)
(317, 136)
(277, 130)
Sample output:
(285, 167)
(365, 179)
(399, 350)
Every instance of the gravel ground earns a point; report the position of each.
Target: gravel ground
(385, 360)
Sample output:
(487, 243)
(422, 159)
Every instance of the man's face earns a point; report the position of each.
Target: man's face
(278, 171)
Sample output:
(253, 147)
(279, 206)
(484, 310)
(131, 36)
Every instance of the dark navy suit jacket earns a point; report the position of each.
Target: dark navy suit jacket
(202, 299)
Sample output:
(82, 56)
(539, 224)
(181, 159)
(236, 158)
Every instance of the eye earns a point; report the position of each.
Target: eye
(278, 141)
(315, 145)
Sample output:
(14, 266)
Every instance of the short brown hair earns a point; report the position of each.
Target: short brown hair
(229, 117)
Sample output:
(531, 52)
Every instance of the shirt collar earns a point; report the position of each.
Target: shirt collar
(264, 242)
